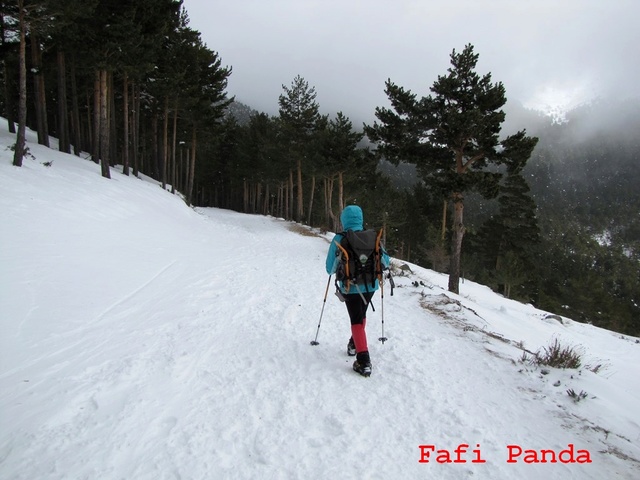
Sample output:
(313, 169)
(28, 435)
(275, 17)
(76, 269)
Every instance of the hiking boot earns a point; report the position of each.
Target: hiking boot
(363, 369)
(351, 348)
(362, 365)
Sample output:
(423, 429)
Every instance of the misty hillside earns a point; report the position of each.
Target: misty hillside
(240, 112)
(588, 164)
(584, 179)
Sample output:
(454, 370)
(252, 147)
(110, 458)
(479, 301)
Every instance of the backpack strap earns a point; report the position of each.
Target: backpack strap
(347, 273)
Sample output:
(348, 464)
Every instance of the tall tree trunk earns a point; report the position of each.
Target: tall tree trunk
(280, 201)
(104, 124)
(64, 144)
(444, 220)
(165, 141)
(76, 130)
(18, 153)
(154, 147)
(135, 90)
(39, 91)
(245, 195)
(95, 144)
(340, 191)
(90, 136)
(257, 196)
(187, 168)
(180, 177)
(111, 109)
(143, 157)
(266, 210)
(174, 146)
(285, 199)
(332, 220)
(300, 206)
(457, 230)
(192, 167)
(125, 119)
(290, 197)
(313, 189)
(325, 193)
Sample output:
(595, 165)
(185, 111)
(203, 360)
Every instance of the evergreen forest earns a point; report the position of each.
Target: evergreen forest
(551, 209)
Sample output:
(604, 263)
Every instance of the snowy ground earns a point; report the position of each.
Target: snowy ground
(142, 339)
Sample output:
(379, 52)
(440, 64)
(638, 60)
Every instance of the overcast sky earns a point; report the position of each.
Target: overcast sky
(543, 51)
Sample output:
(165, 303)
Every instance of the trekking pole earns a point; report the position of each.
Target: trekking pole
(314, 342)
(382, 338)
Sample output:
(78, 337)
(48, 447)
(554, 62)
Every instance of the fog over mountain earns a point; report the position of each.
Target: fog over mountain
(550, 55)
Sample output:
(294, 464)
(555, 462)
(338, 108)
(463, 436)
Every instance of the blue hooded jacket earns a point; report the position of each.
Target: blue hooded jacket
(351, 218)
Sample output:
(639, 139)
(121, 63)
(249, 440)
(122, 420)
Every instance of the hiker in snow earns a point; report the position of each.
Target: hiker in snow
(356, 294)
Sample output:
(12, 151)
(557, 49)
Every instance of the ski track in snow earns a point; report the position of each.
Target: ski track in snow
(145, 340)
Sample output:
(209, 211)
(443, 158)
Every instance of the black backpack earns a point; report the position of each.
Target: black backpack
(360, 258)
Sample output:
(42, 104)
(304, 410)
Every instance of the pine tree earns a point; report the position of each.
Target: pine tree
(452, 136)
(299, 114)
(339, 152)
(203, 100)
(509, 242)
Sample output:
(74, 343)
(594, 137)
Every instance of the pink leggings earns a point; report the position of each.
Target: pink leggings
(357, 309)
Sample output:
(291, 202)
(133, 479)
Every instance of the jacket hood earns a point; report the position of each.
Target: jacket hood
(352, 218)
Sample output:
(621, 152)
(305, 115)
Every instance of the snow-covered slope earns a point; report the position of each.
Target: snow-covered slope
(142, 339)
